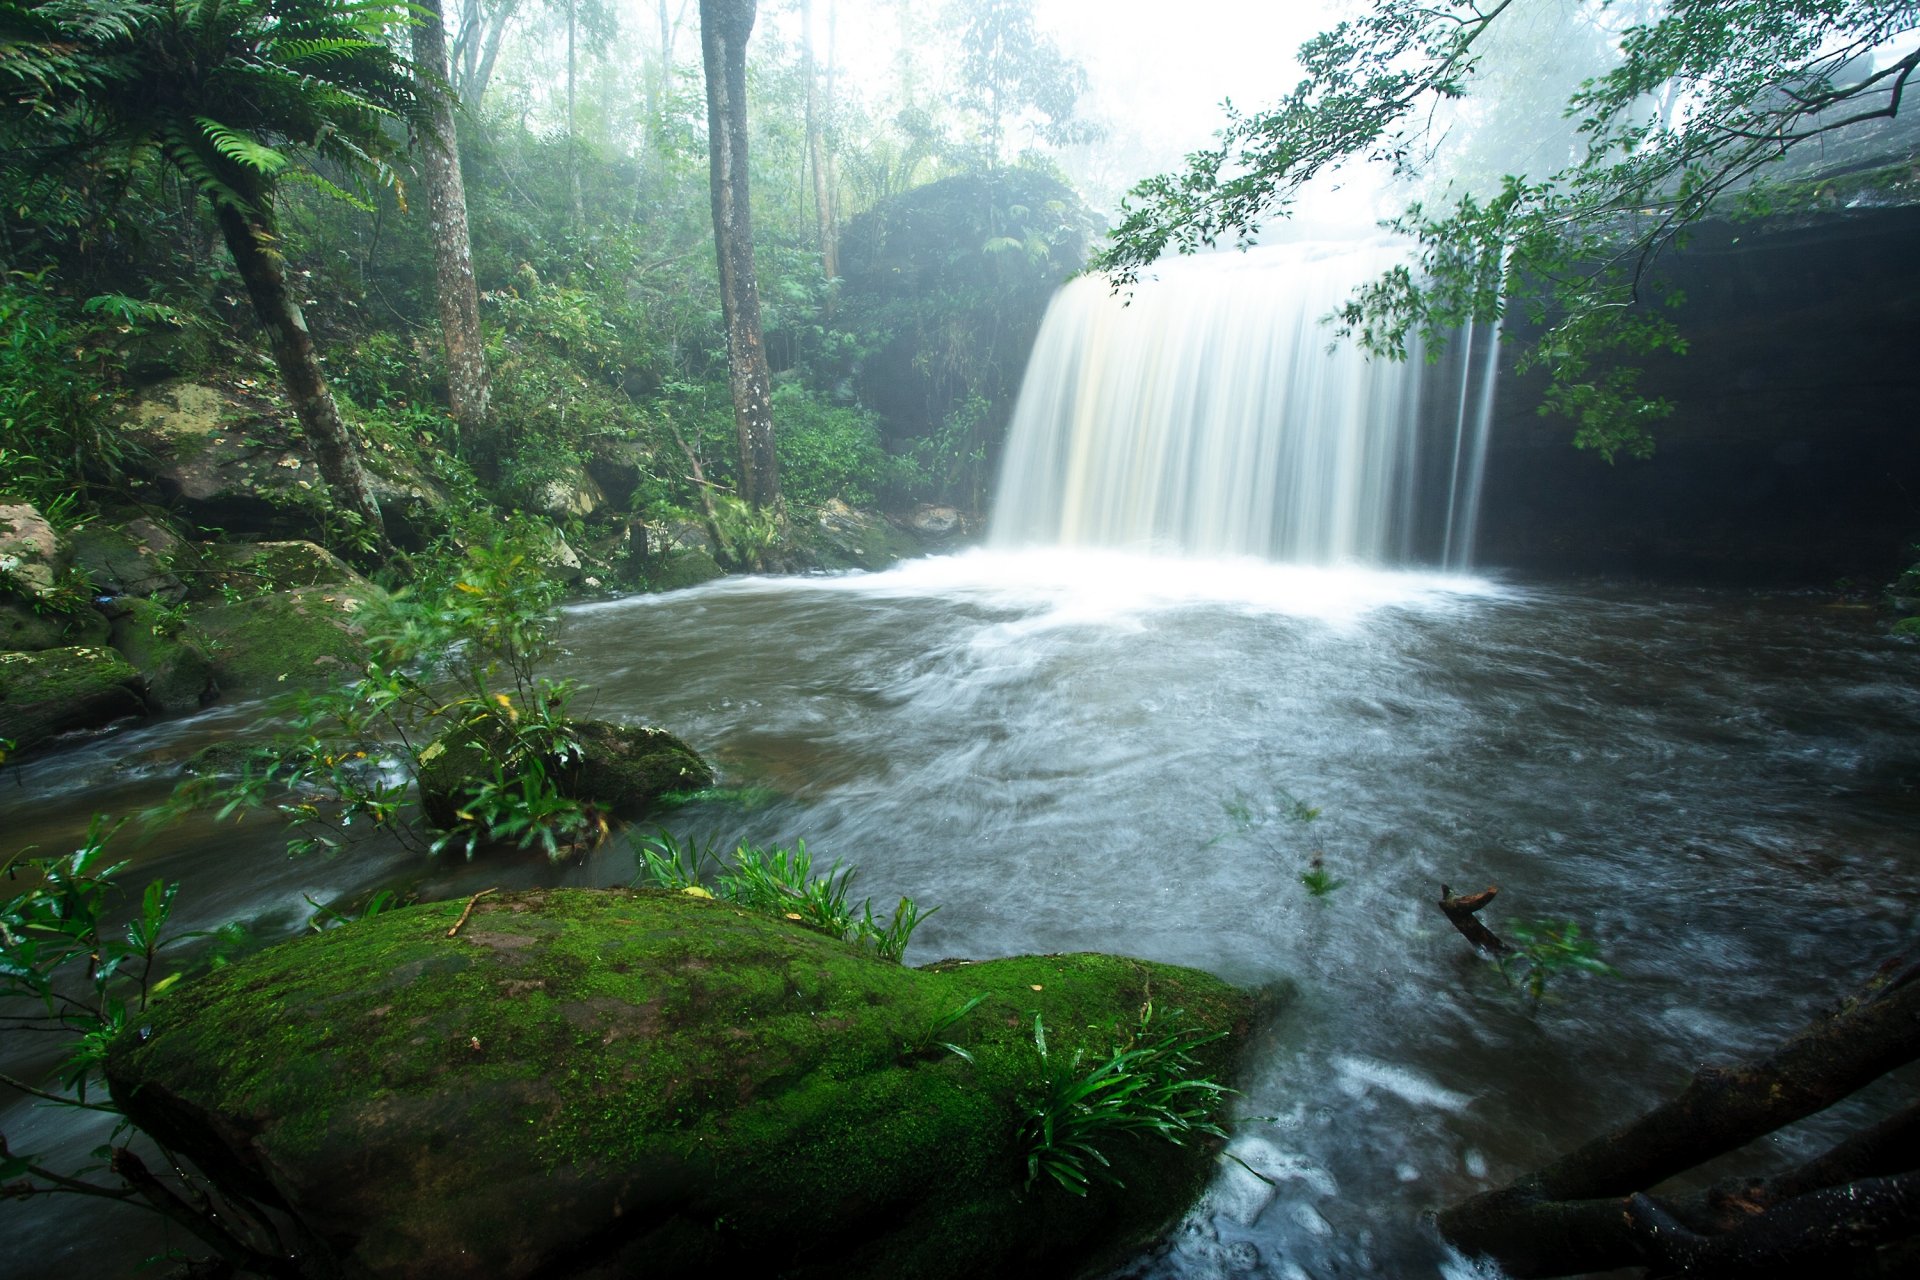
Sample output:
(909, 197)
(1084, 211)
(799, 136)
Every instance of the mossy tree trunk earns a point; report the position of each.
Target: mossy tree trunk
(250, 239)
(468, 390)
(724, 28)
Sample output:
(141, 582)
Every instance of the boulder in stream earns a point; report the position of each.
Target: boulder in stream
(55, 690)
(636, 1082)
(622, 768)
(308, 636)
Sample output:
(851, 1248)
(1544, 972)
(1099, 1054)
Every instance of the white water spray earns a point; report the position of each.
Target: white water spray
(1215, 415)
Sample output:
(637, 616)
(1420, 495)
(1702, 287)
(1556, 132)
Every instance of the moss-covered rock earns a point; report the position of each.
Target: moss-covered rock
(679, 569)
(134, 559)
(845, 538)
(170, 653)
(626, 1083)
(623, 769)
(308, 636)
(230, 569)
(55, 690)
(28, 622)
(33, 555)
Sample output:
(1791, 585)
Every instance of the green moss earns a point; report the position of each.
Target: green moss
(745, 1090)
(307, 636)
(54, 690)
(167, 651)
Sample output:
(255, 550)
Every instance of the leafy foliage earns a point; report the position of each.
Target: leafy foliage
(1546, 949)
(455, 668)
(1707, 97)
(779, 881)
(1150, 1084)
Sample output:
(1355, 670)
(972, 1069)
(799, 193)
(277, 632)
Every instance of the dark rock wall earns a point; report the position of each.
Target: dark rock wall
(1793, 457)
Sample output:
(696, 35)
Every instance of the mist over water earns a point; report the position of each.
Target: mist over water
(1213, 413)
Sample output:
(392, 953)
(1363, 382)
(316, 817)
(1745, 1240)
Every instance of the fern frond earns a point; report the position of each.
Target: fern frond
(241, 149)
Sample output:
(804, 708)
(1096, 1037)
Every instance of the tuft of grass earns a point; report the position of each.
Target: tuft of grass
(1149, 1086)
(780, 881)
(930, 1039)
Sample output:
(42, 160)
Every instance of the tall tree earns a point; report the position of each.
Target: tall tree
(476, 45)
(724, 28)
(234, 93)
(1012, 73)
(454, 289)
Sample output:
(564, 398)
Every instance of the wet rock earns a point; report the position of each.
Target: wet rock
(30, 623)
(239, 569)
(170, 653)
(305, 637)
(57, 690)
(679, 569)
(626, 1082)
(134, 559)
(32, 555)
(851, 539)
(623, 769)
(574, 494)
(931, 520)
(227, 460)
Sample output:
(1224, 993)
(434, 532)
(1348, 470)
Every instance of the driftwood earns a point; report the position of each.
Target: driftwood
(1855, 1210)
(1463, 910)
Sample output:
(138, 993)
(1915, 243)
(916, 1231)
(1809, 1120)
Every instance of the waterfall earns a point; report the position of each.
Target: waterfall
(1213, 414)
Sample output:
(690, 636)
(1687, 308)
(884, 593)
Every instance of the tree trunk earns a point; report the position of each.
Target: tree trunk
(467, 387)
(817, 148)
(248, 239)
(724, 28)
(573, 149)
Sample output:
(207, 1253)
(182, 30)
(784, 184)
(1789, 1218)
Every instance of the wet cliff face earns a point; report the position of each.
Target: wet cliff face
(1793, 456)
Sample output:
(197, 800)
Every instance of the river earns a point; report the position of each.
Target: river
(1091, 750)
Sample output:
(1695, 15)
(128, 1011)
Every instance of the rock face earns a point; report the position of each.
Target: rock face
(602, 1083)
(624, 770)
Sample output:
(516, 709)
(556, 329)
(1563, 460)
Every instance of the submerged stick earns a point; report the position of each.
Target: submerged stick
(1460, 911)
(469, 910)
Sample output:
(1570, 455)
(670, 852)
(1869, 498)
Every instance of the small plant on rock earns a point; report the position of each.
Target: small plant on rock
(1150, 1084)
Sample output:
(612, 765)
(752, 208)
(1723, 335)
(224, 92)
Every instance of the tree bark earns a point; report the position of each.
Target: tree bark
(248, 240)
(724, 28)
(468, 391)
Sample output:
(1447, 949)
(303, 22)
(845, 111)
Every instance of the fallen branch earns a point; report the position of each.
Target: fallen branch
(469, 910)
(1462, 911)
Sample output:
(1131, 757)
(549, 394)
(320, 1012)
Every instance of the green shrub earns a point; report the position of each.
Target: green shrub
(827, 451)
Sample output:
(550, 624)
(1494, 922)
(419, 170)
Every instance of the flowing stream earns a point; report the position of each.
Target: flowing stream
(1076, 750)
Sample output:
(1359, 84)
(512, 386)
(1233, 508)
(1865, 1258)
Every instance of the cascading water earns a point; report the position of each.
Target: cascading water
(1213, 414)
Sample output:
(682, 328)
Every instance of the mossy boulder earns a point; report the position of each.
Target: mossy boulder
(622, 769)
(170, 653)
(56, 690)
(28, 622)
(228, 456)
(134, 559)
(846, 538)
(688, 568)
(238, 569)
(309, 636)
(632, 1082)
(33, 555)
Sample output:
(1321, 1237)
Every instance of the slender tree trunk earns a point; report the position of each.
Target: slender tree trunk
(573, 147)
(333, 448)
(477, 90)
(467, 386)
(724, 28)
(817, 148)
